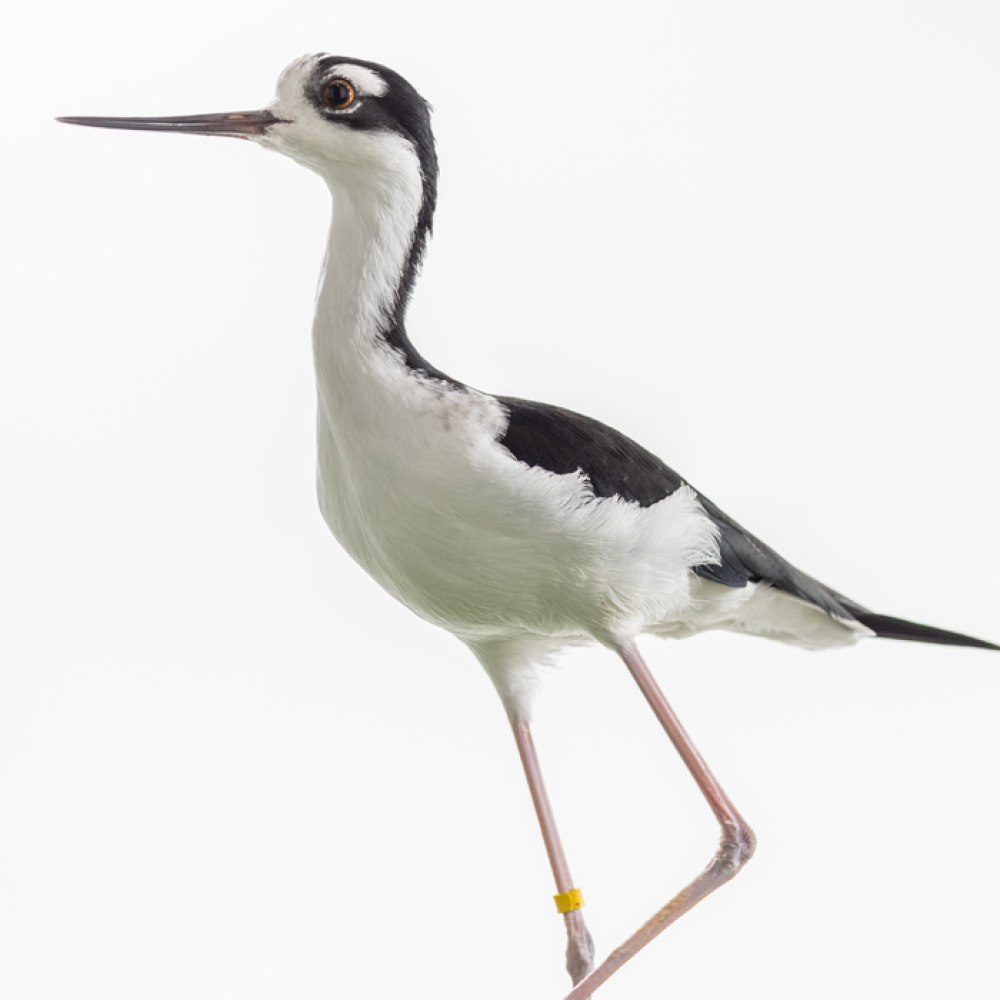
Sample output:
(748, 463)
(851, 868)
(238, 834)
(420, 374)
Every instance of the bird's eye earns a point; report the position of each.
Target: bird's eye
(338, 94)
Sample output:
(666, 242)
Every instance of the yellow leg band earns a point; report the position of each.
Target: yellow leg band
(568, 901)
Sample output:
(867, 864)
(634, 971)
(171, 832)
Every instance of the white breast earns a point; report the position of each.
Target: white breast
(415, 487)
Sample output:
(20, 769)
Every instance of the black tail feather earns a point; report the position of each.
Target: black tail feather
(745, 559)
(896, 628)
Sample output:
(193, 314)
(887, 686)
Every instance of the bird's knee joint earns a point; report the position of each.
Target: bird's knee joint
(737, 847)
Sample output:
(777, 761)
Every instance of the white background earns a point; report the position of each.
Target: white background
(762, 238)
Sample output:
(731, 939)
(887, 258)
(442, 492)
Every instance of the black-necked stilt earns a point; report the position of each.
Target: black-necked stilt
(520, 527)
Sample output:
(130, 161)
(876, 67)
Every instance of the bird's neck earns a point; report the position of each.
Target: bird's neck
(379, 225)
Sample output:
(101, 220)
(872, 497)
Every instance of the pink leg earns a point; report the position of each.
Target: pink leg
(734, 851)
(580, 946)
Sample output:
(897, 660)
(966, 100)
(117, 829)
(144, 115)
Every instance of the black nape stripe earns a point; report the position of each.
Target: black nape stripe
(402, 111)
(397, 339)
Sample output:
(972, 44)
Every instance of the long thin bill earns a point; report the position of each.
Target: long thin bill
(236, 124)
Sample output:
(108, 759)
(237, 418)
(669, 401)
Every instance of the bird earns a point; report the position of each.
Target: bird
(520, 527)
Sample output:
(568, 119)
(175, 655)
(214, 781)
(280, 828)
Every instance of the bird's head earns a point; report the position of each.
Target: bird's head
(335, 114)
(347, 119)
(366, 132)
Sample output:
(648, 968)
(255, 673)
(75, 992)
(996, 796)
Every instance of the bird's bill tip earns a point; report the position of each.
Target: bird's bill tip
(236, 124)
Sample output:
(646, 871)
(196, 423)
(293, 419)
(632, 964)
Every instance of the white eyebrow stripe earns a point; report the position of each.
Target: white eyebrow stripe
(366, 81)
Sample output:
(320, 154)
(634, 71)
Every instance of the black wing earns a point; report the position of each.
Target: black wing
(562, 441)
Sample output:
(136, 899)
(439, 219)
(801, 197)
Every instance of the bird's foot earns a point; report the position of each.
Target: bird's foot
(579, 947)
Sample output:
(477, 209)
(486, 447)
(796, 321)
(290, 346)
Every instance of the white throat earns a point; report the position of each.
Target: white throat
(376, 202)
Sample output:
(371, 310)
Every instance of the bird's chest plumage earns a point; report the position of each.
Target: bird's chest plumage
(416, 488)
(410, 482)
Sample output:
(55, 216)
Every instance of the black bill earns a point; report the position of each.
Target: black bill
(237, 124)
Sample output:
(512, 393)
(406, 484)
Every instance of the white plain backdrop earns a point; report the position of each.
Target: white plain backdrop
(762, 238)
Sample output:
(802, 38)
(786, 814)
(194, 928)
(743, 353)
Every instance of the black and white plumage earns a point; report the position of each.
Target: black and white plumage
(522, 528)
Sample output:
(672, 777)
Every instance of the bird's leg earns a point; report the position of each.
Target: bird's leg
(580, 946)
(735, 849)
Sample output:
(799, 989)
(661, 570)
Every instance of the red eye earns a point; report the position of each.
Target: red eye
(338, 94)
